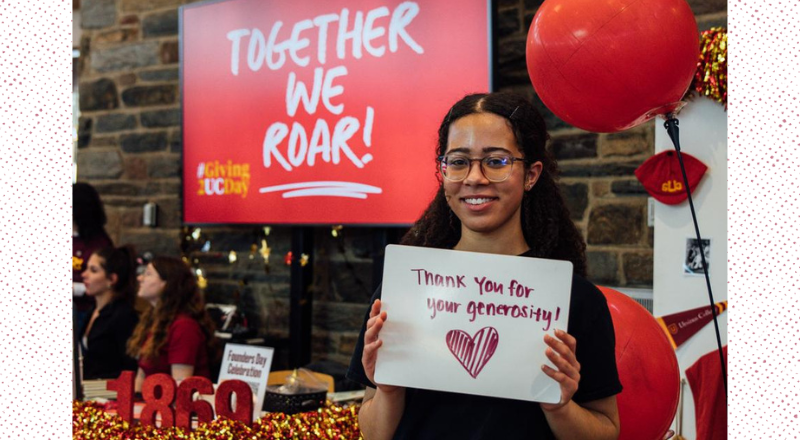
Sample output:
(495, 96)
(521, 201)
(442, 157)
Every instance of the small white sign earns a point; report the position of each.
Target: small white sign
(250, 364)
(471, 322)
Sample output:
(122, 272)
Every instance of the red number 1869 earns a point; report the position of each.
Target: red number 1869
(159, 392)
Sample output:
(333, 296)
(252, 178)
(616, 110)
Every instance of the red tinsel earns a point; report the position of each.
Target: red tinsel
(90, 422)
(711, 78)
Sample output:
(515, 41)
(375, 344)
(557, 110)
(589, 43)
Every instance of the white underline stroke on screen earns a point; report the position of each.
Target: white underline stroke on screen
(324, 188)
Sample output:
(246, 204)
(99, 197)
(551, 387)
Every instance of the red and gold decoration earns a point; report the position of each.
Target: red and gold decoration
(91, 422)
(681, 326)
(174, 406)
(160, 390)
(711, 78)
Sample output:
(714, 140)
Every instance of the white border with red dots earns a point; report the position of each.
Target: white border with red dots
(764, 225)
(35, 213)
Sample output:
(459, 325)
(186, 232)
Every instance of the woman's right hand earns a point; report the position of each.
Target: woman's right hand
(372, 343)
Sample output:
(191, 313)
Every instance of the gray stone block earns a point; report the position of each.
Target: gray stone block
(552, 121)
(159, 75)
(171, 186)
(602, 267)
(175, 142)
(99, 164)
(160, 24)
(616, 224)
(628, 188)
(125, 57)
(118, 189)
(576, 197)
(105, 141)
(574, 146)
(170, 215)
(84, 131)
(115, 122)
(170, 52)
(510, 50)
(96, 14)
(141, 96)
(627, 143)
(164, 166)
(507, 23)
(98, 95)
(115, 36)
(161, 118)
(157, 241)
(638, 268)
(148, 5)
(143, 142)
(599, 170)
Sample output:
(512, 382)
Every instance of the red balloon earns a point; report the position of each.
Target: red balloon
(609, 65)
(648, 370)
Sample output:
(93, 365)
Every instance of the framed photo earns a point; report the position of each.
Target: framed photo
(693, 259)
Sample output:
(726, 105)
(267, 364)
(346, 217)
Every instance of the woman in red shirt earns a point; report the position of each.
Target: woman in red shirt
(176, 336)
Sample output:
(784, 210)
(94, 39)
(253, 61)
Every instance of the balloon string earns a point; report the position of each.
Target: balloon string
(672, 130)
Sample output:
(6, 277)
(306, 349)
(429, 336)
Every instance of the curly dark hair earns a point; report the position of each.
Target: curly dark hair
(180, 296)
(122, 262)
(546, 223)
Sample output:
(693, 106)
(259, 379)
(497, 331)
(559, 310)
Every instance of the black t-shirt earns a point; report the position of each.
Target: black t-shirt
(441, 415)
(105, 357)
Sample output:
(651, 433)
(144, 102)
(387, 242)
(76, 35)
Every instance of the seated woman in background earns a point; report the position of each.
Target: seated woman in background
(110, 278)
(88, 235)
(176, 336)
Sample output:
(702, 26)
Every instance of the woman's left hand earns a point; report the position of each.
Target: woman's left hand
(561, 352)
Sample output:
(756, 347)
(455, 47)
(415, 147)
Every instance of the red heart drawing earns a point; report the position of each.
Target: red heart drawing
(473, 351)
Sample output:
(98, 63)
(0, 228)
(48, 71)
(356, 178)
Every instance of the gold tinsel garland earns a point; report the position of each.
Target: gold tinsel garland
(90, 422)
(711, 77)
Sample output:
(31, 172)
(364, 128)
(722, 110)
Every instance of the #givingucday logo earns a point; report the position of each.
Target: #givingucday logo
(223, 178)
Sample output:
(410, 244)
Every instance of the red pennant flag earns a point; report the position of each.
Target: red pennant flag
(683, 325)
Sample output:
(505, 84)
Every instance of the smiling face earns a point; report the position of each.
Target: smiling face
(95, 277)
(151, 285)
(485, 207)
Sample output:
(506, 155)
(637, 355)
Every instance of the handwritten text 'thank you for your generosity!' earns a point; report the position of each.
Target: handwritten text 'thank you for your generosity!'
(510, 299)
(356, 35)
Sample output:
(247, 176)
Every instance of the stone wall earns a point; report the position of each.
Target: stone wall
(129, 148)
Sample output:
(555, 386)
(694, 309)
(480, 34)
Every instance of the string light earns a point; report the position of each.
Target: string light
(253, 251)
(265, 250)
(202, 282)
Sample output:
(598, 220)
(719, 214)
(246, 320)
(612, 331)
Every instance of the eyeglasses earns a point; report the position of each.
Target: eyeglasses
(496, 168)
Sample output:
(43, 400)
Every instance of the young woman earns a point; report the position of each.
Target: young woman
(176, 336)
(110, 279)
(88, 236)
(499, 195)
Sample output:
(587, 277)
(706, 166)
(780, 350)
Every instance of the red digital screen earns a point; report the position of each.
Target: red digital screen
(310, 112)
